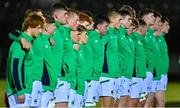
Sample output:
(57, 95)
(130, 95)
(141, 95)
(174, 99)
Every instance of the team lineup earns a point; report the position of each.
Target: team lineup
(69, 58)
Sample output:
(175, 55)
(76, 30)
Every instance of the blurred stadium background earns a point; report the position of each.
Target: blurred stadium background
(11, 14)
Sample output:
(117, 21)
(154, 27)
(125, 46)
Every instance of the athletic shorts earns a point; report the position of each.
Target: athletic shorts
(12, 99)
(92, 92)
(62, 91)
(72, 98)
(46, 98)
(79, 101)
(36, 93)
(154, 86)
(126, 86)
(162, 83)
(107, 86)
(147, 82)
(136, 87)
(118, 88)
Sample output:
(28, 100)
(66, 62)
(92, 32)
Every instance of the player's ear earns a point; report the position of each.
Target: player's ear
(46, 28)
(98, 26)
(66, 15)
(55, 16)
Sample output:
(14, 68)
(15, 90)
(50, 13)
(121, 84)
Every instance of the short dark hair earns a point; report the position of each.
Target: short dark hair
(144, 12)
(57, 6)
(100, 19)
(157, 14)
(81, 28)
(164, 18)
(142, 22)
(48, 18)
(29, 12)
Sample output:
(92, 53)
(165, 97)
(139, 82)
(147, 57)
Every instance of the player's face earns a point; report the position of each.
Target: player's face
(91, 26)
(61, 16)
(131, 29)
(50, 28)
(150, 18)
(85, 24)
(74, 21)
(35, 31)
(157, 19)
(117, 21)
(126, 22)
(143, 30)
(83, 37)
(165, 27)
(157, 25)
(121, 20)
(103, 28)
(75, 36)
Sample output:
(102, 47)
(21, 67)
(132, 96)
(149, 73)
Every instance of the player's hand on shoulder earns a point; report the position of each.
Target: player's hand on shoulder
(76, 47)
(25, 44)
(52, 42)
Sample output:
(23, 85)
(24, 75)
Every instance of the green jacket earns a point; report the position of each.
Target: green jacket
(157, 59)
(163, 54)
(148, 43)
(125, 53)
(69, 59)
(38, 52)
(139, 60)
(38, 55)
(20, 67)
(49, 76)
(57, 50)
(89, 58)
(10, 86)
(111, 61)
(81, 70)
(15, 35)
(43, 58)
(97, 46)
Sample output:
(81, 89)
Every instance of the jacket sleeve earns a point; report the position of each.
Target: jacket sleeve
(15, 35)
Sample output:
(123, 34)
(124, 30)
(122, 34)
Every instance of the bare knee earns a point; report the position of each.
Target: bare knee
(107, 101)
(160, 99)
(123, 101)
(150, 100)
(61, 104)
(133, 102)
(21, 98)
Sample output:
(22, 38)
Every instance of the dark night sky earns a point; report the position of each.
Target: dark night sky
(11, 13)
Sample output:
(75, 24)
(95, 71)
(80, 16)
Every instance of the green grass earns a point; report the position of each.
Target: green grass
(2, 92)
(172, 94)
